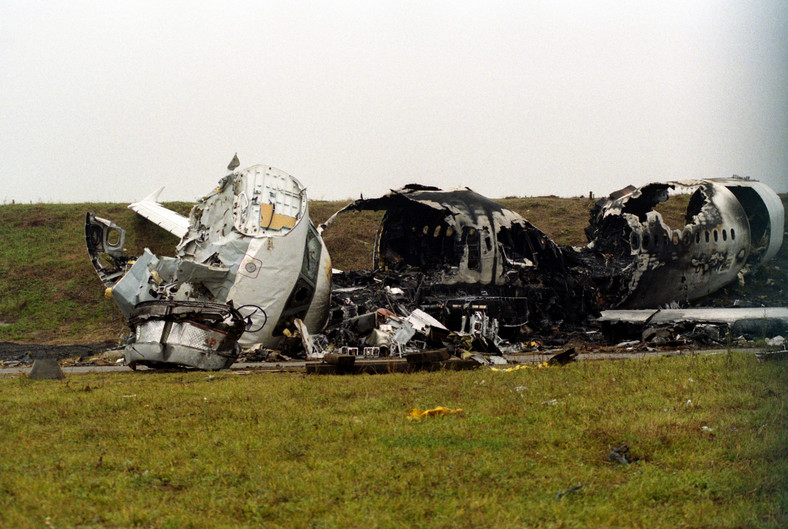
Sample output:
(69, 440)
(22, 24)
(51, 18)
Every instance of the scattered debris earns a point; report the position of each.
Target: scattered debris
(342, 361)
(418, 414)
(428, 357)
(696, 325)
(563, 358)
(564, 492)
(17, 354)
(518, 367)
(772, 355)
(311, 344)
(620, 454)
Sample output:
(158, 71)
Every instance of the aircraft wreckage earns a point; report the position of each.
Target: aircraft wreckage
(249, 262)
(731, 226)
(452, 269)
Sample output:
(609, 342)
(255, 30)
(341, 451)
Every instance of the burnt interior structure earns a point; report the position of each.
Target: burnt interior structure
(459, 230)
(457, 251)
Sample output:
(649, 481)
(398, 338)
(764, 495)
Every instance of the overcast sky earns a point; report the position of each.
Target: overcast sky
(106, 101)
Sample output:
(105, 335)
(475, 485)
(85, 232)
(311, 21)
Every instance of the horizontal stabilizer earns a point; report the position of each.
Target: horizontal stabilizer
(167, 219)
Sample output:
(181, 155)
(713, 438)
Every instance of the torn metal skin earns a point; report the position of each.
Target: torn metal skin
(249, 263)
(459, 236)
(712, 326)
(638, 261)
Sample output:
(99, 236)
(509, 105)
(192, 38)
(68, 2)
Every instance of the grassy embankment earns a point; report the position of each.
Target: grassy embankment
(289, 450)
(49, 292)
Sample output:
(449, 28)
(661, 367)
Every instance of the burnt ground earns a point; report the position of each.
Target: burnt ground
(10, 353)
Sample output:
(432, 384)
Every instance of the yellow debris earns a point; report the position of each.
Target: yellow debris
(417, 414)
(519, 367)
(108, 292)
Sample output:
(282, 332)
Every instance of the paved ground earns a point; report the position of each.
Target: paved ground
(299, 366)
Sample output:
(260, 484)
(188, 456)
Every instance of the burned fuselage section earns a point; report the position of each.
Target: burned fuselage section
(639, 261)
(248, 264)
(487, 275)
(466, 261)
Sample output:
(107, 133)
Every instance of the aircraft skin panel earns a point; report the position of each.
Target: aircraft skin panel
(265, 280)
(317, 315)
(167, 219)
(267, 202)
(267, 274)
(265, 294)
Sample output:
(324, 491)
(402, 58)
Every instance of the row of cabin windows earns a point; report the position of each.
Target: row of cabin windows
(436, 233)
(477, 242)
(471, 232)
(645, 243)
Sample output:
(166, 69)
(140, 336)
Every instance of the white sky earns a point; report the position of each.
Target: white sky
(106, 101)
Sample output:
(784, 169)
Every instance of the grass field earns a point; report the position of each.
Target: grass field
(289, 450)
(50, 292)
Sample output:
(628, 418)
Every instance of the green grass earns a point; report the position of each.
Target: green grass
(50, 291)
(289, 450)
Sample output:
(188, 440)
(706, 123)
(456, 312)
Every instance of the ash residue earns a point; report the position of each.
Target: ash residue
(26, 353)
